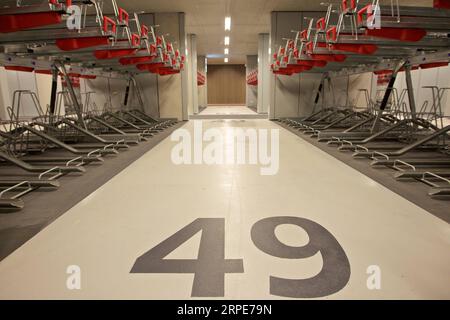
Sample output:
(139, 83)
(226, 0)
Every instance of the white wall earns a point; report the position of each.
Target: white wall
(293, 96)
(427, 77)
(11, 81)
(264, 73)
(109, 93)
(191, 73)
(173, 89)
(290, 96)
(163, 96)
(420, 78)
(5, 99)
(148, 84)
(356, 82)
(309, 85)
(41, 85)
(44, 89)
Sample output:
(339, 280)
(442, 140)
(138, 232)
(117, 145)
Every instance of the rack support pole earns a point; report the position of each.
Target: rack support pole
(386, 97)
(410, 88)
(54, 92)
(73, 96)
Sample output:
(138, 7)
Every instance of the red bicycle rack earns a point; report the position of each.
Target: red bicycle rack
(43, 71)
(123, 16)
(283, 72)
(252, 78)
(328, 58)
(88, 77)
(166, 71)
(18, 22)
(434, 65)
(346, 7)
(312, 63)
(400, 34)
(383, 72)
(291, 69)
(201, 79)
(81, 43)
(363, 49)
(150, 66)
(19, 68)
(113, 53)
(28, 20)
(135, 60)
(442, 4)
(367, 10)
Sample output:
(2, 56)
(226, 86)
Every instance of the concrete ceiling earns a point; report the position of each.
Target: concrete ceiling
(205, 18)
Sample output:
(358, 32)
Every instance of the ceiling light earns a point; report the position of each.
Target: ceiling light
(227, 41)
(225, 60)
(227, 23)
(227, 51)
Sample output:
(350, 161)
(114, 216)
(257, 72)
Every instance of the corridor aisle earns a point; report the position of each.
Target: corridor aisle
(347, 216)
(227, 110)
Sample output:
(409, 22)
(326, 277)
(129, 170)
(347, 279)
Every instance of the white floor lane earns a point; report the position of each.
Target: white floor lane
(227, 110)
(152, 199)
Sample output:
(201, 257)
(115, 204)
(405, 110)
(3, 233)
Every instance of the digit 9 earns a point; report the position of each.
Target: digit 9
(335, 272)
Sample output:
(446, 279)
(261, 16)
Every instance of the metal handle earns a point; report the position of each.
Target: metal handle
(375, 153)
(398, 168)
(120, 142)
(74, 160)
(109, 146)
(335, 139)
(359, 148)
(50, 171)
(348, 142)
(98, 151)
(434, 175)
(16, 187)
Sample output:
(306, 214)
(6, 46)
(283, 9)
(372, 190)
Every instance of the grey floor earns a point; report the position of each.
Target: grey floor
(354, 225)
(228, 112)
(43, 207)
(414, 191)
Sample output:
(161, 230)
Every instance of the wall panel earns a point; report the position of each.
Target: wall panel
(226, 84)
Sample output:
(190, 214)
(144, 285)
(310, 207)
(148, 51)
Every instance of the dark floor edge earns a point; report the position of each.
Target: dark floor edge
(417, 194)
(19, 227)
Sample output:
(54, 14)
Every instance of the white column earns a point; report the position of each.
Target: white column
(192, 62)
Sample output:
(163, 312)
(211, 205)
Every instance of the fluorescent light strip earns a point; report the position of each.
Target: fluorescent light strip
(227, 51)
(227, 41)
(225, 60)
(227, 23)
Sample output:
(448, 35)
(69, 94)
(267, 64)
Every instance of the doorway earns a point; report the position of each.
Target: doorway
(227, 90)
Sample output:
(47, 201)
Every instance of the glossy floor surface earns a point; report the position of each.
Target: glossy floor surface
(316, 228)
(227, 110)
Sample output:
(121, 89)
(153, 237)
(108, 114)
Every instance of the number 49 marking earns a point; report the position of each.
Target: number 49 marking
(210, 267)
